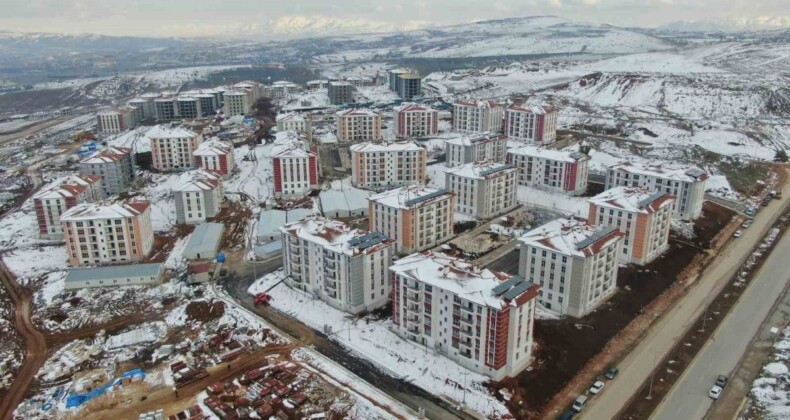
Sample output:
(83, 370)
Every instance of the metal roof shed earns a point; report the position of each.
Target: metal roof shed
(114, 275)
(203, 244)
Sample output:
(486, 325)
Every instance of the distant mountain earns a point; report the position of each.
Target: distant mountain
(729, 25)
(31, 43)
(295, 27)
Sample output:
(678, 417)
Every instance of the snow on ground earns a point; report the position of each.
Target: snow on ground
(375, 342)
(175, 261)
(718, 186)
(135, 139)
(159, 191)
(375, 94)
(771, 391)
(177, 76)
(572, 206)
(656, 62)
(20, 228)
(255, 177)
(308, 99)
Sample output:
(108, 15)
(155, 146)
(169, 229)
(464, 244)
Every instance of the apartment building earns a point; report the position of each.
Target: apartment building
(482, 190)
(198, 196)
(115, 166)
(478, 116)
(416, 217)
(358, 125)
(686, 184)
(294, 122)
(412, 120)
(237, 102)
(575, 264)
(405, 82)
(553, 170)
(116, 120)
(344, 267)
(295, 171)
(144, 106)
(532, 124)
(476, 148)
(642, 216)
(166, 109)
(216, 156)
(51, 202)
(108, 233)
(189, 107)
(481, 319)
(387, 165)
(340, 92)
(172, 148)
(313, 85)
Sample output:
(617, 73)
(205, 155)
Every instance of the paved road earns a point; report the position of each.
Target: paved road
(688, 399)
(636, 367)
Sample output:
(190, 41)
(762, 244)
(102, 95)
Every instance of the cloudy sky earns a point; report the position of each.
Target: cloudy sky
(284, 18)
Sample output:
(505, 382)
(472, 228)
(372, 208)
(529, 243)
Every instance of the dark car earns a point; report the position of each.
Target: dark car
(611, 373)
(721, 381)
(566, 415)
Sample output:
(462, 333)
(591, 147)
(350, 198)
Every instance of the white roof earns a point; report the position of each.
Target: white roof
(290, 150)
(196, 181)
(88, 211)
(479, 104)
(684, 174)
(334, 235)
(71, 186)
(456, 276)
(549, 154)
(290, 117)
(165, 132)
(412, 107)
(481, 170)
(633, 199)
(407, 197)
(213, 147)
(357, 113)
(532, 109)
(468, 140)
(345, 200)
(107, 155)
(571, 237)
(272, 220)
(403, 146)
(235, 93)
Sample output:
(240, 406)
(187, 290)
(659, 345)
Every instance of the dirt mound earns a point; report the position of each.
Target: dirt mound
(203, 311)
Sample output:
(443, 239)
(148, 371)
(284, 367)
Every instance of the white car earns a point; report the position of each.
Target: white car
(715, 392)
(596, 387)
(737, 233)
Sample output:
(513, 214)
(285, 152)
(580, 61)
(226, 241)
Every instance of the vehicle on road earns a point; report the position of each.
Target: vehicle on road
(611, 373)
(715, 392)
(747, 223)
(597, 387)
(579, 404)
(566, 415)
(750, 211)
(766, 201)
(721, 381)
(738, 233)
(262, 299)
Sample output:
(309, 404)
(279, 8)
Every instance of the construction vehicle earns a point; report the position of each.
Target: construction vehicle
(262, 299)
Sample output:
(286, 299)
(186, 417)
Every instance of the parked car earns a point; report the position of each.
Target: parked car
(746, 223)
(750, 211)
(579, 404)
(566, 415)
(721, 381)
(611, 373)
(596, 387)
(738, 233)
(715, 392)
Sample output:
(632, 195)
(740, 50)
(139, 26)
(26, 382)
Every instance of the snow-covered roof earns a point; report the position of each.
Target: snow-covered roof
(532, 109)
(687, 174)
(633, 199)
(291, 150)
(402, 146)
(290, 117)
(86, 211)
(479, 104)
(410, 107)
(165, 132)
(357, 113)
(71, 186)
(352, 200)
(213, 147)
(549, 154)
(571, 237)
(82, 274)
(468, 140)
(235, 93)
(408, 197)
(115, 111)
(337, 236)
(483, 170)
(468, 281)
(110, 154)
(197, 180)
(271, 220)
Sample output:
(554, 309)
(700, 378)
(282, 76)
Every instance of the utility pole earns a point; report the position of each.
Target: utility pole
(652, 375)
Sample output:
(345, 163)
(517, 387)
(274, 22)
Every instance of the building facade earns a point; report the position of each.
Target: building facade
(198, 196)
(51, 202)
(482, 190)
(382, 165)
(575, 264)
(295, 171)
(487, 147)
(478, 116)
(166, 109)
(416, 217)
(687, 184)
(340, 92)
(116, 120)
(216, 156)
(237, 102)
(115, 166)
(412, 120)
(643, 217)
(172, 149)
(108, 233)
(344, 267)
(358, 125)
(553, 170)
(405, 82)
(532, 124)
(479, 318)
(294, 122)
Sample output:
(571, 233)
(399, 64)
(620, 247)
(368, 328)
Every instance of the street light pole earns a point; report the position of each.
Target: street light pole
(652, 375)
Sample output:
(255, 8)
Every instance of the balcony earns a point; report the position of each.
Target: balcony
(414, 309)
(413, 297)
(467, 322)
(330, 284)
(467, 310)
(467, 333)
